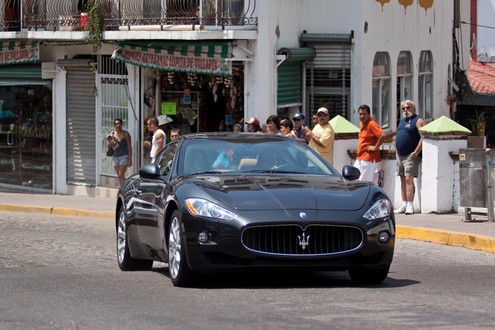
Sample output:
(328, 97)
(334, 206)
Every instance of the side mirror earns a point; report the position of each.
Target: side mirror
(350, 173)
(149, 171)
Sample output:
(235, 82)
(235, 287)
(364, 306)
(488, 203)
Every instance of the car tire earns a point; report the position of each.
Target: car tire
(126, 262)
(179, 271)
(368, 275)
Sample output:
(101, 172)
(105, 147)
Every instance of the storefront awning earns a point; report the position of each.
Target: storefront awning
(193, 57)
(15, 52)
(16, 75)
(289, 91)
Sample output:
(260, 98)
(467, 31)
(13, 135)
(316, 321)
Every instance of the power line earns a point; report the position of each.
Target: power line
(479, 25)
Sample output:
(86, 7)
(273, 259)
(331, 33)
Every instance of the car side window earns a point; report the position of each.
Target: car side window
(166, 160)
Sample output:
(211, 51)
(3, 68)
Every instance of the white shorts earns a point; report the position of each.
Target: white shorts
(367, 169)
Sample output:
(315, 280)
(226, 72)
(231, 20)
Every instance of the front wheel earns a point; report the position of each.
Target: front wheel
(179, 271)
(368, 275)
(126, 262)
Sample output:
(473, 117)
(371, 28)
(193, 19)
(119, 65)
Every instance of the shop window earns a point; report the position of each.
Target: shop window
(381, 89)
(425, 85)
(404, 79)
(26, 134)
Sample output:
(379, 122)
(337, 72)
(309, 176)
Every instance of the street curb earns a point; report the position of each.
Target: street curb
(57, 211)
(447, 237)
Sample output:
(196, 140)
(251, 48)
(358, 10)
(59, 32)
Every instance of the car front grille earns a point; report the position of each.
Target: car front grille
(313, 240)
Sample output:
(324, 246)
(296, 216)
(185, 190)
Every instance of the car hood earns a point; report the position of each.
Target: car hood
(285, 192)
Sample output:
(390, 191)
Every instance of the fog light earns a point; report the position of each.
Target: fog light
(203, 237)
(383, 237)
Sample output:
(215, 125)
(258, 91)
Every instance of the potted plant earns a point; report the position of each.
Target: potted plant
(478, 123)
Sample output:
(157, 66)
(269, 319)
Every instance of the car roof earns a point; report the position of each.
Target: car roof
(235, 136)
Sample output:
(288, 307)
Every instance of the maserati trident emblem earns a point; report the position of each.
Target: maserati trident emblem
(304, 241)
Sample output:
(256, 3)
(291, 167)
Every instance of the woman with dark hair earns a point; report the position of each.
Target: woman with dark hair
(273, 124)
(120, 142)
(253, 125)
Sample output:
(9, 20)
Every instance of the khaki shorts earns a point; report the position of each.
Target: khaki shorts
(408, 166)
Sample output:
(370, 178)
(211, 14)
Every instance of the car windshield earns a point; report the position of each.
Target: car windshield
(250, 157)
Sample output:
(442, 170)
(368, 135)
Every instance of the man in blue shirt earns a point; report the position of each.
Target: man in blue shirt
(299, 131)
(408, 144)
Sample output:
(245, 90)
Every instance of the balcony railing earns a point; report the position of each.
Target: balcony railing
(56, 15)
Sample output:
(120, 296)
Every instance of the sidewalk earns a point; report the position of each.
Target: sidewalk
(448, 229)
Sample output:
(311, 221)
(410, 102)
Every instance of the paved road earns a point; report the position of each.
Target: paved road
(449, 229)
(61, 273)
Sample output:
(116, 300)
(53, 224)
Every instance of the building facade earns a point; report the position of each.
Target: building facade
(68, 69)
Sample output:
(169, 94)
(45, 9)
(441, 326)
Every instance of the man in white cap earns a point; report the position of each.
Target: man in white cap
(322, 136)
(159, 139)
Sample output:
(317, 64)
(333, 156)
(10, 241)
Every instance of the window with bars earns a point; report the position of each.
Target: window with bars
(113, 100)
(404, 79)
(381, 89)
(425, 85)
(329, 88)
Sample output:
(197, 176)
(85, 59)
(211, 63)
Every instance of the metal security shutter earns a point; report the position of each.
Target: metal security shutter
(81, 131)
(328, 76)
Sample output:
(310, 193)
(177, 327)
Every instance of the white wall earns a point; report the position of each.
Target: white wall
(414, 29)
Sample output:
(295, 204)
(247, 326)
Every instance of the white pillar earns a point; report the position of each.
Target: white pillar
(340, 154)
(440, 174)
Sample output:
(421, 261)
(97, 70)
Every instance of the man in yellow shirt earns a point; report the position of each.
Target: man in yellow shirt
(322, 136)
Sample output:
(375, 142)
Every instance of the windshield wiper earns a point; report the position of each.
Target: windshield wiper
(206, 172)
(273, 171)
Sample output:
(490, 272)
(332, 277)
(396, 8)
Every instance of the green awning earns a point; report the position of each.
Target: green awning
(193, 57)
(289, 74)
(298, 54)
(20, 72)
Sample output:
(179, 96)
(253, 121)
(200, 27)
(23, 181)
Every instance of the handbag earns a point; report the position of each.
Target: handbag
(110, 149)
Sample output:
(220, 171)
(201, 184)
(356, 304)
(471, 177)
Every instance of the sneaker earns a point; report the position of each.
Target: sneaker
(402, 209)
(409, 209)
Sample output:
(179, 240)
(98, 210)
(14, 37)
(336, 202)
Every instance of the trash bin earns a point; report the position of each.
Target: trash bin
(472, 177)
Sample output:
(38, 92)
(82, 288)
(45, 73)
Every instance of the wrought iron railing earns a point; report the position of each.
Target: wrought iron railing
(55, 15)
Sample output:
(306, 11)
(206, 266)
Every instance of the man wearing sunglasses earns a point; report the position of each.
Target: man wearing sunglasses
(299, 131)
(409, 145)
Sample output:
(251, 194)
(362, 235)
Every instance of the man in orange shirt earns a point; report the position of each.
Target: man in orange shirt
(370, 139)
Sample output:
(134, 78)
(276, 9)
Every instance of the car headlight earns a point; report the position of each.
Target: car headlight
(381, 209)
(202, 207)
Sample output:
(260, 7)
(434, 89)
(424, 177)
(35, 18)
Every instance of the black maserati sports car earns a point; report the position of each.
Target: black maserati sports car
(218, 202)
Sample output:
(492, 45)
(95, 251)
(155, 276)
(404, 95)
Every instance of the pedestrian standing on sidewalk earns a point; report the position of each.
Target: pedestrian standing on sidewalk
(369, 141)
(409, 145)
(120, 142)
(322, 136)
(159, 138)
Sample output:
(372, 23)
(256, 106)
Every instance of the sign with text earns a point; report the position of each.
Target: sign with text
(18, 52)
(174, 62)
(169, 108)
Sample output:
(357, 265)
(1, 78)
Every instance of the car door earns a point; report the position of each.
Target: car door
(152, 196)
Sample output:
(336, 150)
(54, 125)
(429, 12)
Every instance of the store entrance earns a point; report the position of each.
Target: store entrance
(202, 102)
(26, 137)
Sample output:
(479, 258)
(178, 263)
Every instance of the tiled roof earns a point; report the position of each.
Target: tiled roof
(482, 77)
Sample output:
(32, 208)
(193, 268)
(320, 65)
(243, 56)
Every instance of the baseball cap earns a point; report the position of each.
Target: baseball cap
(322, 109)
(253, 120)
(298, 116)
